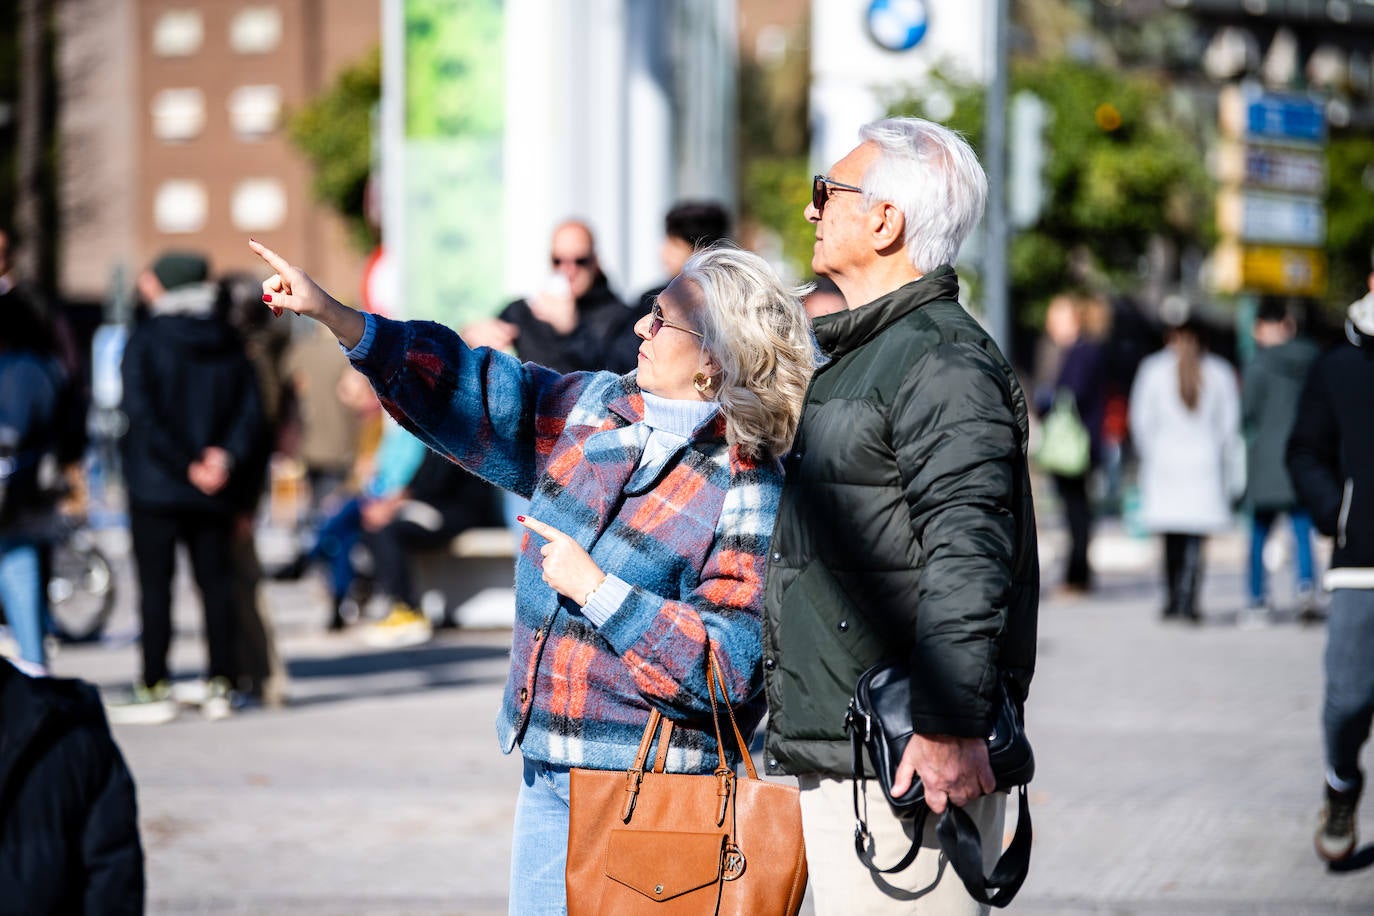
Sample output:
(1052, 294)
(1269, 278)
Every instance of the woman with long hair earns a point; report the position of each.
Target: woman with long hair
(652, 501)
(1185, 423)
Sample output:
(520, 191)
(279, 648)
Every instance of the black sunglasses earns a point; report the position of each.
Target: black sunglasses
(820, 191)
(657, 323)
(584, 261)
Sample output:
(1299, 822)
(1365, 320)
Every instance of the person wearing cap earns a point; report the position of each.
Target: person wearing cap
(1331, 462)
(194, 421)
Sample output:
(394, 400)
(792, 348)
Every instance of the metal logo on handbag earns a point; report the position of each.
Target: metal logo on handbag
(879, 720)
(642, 841)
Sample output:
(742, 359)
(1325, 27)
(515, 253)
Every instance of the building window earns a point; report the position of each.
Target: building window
(178, 114)
(258, 205)
(255, 30)
(178, 33)
(181, 205)
(253, 110)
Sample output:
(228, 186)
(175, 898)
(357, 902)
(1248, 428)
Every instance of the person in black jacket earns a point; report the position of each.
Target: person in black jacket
(195, 422)
(905, 531)
(1331, 463)
(576, 323)
(68, 819)
(689, 226)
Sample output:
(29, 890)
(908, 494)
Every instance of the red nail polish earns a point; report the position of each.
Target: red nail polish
(520, 518)
(266, 297)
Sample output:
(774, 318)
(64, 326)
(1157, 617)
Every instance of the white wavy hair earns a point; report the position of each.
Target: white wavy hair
(757, 331)
(933, 175)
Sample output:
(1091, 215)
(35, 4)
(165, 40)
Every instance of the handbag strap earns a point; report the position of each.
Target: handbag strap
(718, 679)
(963, 846)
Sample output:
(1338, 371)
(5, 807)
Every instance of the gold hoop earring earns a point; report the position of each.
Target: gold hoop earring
(703, 383)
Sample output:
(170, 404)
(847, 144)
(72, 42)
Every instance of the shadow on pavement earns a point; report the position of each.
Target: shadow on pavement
(382, 661)
(1362, 859)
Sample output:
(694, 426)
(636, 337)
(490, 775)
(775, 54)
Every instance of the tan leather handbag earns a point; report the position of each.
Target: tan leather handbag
(644, 841)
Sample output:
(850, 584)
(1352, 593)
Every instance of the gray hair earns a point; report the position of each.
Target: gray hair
(932, 174)
(756, 329)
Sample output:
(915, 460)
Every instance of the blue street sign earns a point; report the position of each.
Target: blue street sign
(1284, 117)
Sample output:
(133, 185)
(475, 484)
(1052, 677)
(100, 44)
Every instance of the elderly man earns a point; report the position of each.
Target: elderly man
(906, 529)
(575, 322)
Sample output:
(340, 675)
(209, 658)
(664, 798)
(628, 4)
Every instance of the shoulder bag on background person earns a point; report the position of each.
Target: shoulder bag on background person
(879, 719)
(644, 841)
(1065, 444)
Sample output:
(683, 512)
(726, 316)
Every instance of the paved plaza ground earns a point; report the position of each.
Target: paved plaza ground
(1179, 768)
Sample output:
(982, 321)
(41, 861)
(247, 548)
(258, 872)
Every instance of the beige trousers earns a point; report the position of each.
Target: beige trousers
(841, 885)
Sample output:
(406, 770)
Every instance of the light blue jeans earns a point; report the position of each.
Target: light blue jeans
(1261, 523)
(1349, 703)
(21, 591)
(539, 846)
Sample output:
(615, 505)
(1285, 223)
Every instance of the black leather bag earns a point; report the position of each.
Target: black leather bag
(879, 721)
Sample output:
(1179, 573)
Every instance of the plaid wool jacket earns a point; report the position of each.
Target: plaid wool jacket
(690, 539)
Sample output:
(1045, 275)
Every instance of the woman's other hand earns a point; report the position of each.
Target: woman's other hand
(568, 568)
(291, 289)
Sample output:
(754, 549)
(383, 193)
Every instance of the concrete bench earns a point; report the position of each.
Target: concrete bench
(470, 581)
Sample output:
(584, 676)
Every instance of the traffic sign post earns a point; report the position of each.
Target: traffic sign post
(1270, 213)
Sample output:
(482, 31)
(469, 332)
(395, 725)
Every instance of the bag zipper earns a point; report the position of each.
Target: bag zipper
(1347, 498)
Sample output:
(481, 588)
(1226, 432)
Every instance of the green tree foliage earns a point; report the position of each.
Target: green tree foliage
(1123, 166)
(1349, 218)
(334, 131)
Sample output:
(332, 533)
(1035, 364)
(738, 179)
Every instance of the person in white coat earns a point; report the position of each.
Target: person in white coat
(1185, 423)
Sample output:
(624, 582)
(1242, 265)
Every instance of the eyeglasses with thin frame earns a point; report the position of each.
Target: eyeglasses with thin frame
(657, 323)
(820, 191)
(584, 261)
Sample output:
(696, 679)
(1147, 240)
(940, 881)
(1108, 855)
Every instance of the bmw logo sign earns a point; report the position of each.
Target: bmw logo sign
(898, 25)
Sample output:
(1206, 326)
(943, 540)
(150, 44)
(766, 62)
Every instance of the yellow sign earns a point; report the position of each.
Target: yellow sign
(1269, 269)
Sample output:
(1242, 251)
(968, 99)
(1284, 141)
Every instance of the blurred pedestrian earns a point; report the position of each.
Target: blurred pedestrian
(905, 530)
(1074, 326)
(68, 819)
(31, 382)
(1273, 381)
(329, 433)
(824, 299)
(262, 675)
(689, 226)
(195, 421)
(1331, 461)
(575, 323)
(1185, 425)
(653, 495)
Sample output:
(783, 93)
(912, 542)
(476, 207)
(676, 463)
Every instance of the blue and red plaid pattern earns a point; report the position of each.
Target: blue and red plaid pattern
(692, 542)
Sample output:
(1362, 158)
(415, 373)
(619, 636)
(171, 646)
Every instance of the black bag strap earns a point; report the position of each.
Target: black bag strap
(963, 846)
(861, 826)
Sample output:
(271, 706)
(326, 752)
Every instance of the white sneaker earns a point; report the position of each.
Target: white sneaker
(219, 701)
(1253, 617)
(145, 706)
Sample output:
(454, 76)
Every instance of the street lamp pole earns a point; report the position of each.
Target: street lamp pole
(995, 273)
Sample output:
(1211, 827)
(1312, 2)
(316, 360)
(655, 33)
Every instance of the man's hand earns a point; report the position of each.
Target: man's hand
(952, 770)
(567, 567)
(210, 472)
(490, 332)
(556, 308)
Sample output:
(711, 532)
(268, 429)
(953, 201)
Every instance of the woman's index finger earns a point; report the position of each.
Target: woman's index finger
(274, 260)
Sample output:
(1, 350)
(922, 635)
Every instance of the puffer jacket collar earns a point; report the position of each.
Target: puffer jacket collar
(842, 332)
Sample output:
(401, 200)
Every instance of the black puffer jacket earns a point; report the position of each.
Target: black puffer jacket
(604, 338)
(1331, 458)
(188, 385)
(905, 530)
(68, 820)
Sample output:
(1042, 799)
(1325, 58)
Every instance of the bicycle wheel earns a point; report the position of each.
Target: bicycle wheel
(81, 590)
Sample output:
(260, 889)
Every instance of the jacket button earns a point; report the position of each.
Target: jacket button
(538, 634)
(769, 663)
(843, 626)
(777, 556)
(772, 763)
(524, 695)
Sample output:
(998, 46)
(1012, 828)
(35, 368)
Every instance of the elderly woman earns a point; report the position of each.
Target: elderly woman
(652, 499)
